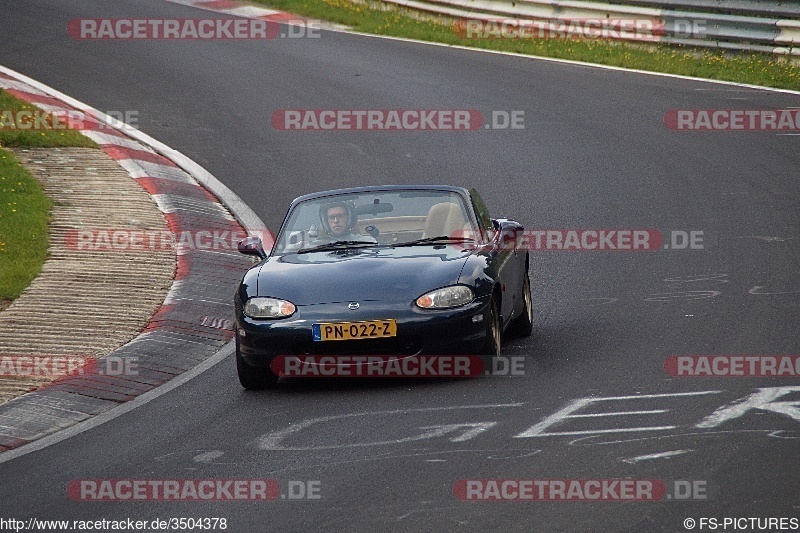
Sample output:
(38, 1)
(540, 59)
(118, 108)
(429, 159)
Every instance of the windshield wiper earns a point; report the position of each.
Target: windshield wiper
(433, 240)
(337, 245)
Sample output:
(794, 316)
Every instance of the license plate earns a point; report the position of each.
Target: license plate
(345, 331)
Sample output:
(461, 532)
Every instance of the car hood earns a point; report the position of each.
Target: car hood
(364, 274)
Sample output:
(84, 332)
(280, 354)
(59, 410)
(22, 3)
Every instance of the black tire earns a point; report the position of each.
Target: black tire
(494, 333)
(523, 324)
(254, 377)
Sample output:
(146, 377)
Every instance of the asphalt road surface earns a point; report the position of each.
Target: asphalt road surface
(594, 153)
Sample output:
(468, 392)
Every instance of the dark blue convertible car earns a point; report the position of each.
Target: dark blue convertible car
(394, 270)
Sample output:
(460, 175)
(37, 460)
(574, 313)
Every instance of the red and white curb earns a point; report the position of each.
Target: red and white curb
(244, 10)
(196, 319)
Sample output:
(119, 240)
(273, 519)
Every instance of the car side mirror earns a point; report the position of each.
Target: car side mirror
(252, 246)
(506, 234)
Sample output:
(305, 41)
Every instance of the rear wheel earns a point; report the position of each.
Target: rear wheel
(523, 324)
(254, 377)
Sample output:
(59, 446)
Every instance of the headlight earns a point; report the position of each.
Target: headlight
(268, 308)
(446, 297)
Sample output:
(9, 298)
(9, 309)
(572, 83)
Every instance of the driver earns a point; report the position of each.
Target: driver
(338, 220)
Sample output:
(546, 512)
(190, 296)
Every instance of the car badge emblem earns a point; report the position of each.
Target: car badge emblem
(353, 305)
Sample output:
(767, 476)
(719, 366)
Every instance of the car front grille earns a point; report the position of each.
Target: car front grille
(360, 347)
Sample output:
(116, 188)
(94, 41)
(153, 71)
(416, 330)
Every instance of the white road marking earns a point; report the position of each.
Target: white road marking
(763, 400)
(272, 440)
(622, 413)
(767, 239)
(647, 457)
(687, 295)
(757, 291)
(721, 278)
(208, 457)
(539, 430)
(593, 440)
(599, 301)
(727, 90)
(476, 429)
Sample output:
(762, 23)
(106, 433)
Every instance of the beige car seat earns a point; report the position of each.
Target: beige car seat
(445, 218)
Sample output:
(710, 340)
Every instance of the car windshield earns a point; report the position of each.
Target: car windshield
(377, 218)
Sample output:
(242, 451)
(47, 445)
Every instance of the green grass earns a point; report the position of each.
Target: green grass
(24, 219)
(40, 138)
(24, 209)
(751, 68)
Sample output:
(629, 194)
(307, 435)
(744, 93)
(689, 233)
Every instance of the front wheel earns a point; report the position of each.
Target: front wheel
(254, 377)
(494, 333)
(523, 324)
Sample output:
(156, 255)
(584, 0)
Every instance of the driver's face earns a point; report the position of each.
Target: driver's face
(337, 219)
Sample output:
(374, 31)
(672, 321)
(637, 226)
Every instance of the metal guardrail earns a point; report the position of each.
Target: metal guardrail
(738, 25)
(755, 8)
